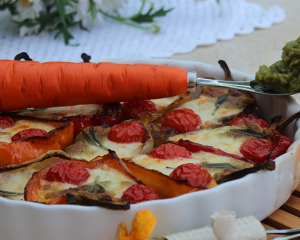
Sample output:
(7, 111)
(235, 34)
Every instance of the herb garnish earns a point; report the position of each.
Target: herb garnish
(219, 102)
(249, 132)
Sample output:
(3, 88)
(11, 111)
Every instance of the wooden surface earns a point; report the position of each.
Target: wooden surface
(287, 216)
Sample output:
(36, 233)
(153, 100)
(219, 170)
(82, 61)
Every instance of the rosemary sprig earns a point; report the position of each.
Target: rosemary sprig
(89, 140)
(219, 102)
(96, 188)
(94, 139)
(95, 136)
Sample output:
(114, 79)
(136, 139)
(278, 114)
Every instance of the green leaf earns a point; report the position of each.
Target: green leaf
(149, 16)
(249, 132)
(93, 10)
(65, 21)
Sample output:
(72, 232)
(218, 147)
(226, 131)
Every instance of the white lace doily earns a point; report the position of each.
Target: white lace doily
(190, 24)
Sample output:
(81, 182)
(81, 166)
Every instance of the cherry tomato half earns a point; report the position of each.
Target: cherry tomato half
(32, 132)
(140, 193)
(81, 122)
(251, 118)
(182, 120)
(127, 132)
(257, 150)
(170, 151)
(68, 172)
(195, 174)
(6, 122)
(137, 109)
(282, 145)
(108, 113)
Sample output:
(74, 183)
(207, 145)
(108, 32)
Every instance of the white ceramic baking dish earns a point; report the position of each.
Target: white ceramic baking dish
(256, 194)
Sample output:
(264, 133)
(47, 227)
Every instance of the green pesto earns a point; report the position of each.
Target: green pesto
(284, 75)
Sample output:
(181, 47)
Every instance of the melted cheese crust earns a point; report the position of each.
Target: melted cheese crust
(7, 133)
(113, 181)
(216, 137)
(16, 179)
(167, 166)
(164, 102)
(205, 107)
(123, 150)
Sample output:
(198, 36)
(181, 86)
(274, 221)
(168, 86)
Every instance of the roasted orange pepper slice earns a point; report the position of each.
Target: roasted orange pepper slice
(18, 153)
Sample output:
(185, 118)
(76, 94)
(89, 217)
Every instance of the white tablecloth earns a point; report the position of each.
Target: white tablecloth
(190, 24)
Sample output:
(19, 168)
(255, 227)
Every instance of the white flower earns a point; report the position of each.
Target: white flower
(111, 5)
(28, 30)
(83, 13)
(28, 9)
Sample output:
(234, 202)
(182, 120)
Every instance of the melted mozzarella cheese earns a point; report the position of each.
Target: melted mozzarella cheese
(205, 107)
(167, 166)
(123, 150)
(16, 179)
(113, 181)
(164, 102)
(87, 152)
(217, 138)
(7, 133)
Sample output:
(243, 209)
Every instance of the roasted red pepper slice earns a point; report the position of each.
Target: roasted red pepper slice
(197, 147)
(6, 122)
(26, 133)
